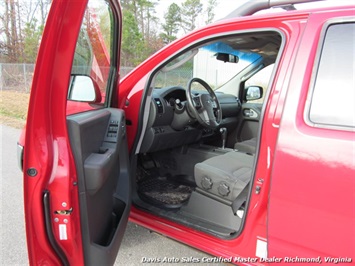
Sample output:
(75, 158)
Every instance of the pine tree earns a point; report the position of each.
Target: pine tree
(172, 23)
(190, 10)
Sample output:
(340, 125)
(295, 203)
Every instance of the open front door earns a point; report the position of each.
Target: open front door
(76, 175)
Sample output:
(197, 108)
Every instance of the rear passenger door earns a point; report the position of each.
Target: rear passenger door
(312, 200)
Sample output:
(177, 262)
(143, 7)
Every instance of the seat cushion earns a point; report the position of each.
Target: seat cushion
(225, 175)
(248, 146)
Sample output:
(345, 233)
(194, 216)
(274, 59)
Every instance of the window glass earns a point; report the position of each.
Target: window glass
(261, 79)
(92, 55)
(217, 63)
(333, 100)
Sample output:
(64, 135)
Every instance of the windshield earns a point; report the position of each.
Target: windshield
(216, 63)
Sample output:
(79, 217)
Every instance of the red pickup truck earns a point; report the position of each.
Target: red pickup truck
(237, 139)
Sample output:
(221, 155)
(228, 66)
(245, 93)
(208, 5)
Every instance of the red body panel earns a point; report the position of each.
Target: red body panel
(48, 147)
(312, 188)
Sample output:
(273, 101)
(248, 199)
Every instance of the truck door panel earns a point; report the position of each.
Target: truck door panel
(98, 141)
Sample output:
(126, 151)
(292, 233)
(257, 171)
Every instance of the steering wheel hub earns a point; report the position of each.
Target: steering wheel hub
(204, 107)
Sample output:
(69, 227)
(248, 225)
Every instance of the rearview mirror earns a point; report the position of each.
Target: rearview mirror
(83, 89)
(230, 58)
(253, 93)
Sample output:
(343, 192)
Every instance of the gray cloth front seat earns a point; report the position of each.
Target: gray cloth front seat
(225, 176)
(248, 146)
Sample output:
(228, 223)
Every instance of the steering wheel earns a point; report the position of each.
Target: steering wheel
(204, 107)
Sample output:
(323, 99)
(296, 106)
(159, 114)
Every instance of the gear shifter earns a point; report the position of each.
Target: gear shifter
(223, 131)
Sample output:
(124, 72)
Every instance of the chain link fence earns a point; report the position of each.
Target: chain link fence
(18, 77)
(177, 77)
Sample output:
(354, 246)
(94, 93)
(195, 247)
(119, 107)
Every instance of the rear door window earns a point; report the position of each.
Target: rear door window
(333, 99)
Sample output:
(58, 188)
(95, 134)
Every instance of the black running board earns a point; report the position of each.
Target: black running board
(194, 223)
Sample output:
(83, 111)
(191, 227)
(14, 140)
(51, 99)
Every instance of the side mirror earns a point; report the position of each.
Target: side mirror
(253, 93)
(84, 89)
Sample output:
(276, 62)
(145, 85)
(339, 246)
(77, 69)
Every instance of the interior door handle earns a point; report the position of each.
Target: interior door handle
(250, 113)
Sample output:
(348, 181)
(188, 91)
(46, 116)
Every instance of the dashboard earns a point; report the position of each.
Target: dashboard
(170, 123)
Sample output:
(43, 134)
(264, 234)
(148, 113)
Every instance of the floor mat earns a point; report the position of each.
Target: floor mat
(164, 192)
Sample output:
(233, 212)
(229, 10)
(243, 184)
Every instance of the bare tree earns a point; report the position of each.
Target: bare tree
(44, 8)
(210, 10)
(19, 26)
(10, 39)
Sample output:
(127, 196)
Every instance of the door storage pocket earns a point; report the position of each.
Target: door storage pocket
(112, 224)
